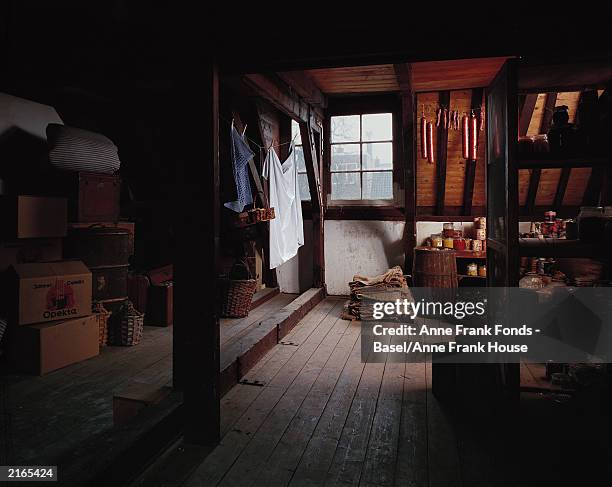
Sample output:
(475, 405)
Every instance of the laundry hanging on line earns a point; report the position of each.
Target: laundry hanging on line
(287, 229)
(241, 155)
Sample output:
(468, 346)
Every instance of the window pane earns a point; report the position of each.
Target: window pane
(298, 155)
(295, 132)
(378, 156)
(303, 187)
(345, 157)
(345, 129)
(377, 126)
(377, 185)
(345, 186)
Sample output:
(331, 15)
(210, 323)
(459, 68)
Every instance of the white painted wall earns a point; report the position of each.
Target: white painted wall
(296, 275)
(360, 247)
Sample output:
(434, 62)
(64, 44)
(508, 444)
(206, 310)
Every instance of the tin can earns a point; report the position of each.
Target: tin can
(459, 244)
(477, 245)
(472, 269)
(480, 223)
(482, 271)
(481, 234)
(436, 241)
(550, 216)
(449, 243)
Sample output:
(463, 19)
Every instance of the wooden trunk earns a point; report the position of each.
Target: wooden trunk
(434, 268)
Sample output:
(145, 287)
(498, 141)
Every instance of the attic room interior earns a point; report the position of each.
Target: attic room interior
(197, 241)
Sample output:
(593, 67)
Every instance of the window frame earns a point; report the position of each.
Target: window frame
(364, 105)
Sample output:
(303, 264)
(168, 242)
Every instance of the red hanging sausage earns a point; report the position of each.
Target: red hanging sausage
(473, 151)
(438, 117)
(430, 146)
(445, 118)
(465, 137)
(423, 137)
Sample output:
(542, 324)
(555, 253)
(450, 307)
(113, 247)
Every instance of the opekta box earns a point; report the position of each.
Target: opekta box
(51, 291)
(43, 348)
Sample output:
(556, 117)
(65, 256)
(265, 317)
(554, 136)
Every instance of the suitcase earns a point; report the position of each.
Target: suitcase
(138, 291)
(160, 300)
(92, 197)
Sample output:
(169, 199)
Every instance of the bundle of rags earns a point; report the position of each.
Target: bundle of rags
(361, 287)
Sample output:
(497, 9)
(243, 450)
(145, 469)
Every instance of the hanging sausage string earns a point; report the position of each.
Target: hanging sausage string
(471, 123)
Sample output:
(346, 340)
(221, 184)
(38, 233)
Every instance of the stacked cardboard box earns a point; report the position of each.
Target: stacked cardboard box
(47, 301)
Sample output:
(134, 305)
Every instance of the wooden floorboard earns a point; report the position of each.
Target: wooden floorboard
(278, 379)
(44, 410)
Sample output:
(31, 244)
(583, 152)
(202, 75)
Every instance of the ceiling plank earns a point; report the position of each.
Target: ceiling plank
(549, 107)
(532, 191)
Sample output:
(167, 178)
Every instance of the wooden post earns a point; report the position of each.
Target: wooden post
(311, 158)
(196, 218)
(403, 73)
(442, 146)
(528, 105)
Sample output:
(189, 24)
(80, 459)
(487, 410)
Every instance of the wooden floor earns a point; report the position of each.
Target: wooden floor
(46, 416)
(325, 418)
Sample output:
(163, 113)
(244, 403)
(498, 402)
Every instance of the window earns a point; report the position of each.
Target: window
(362, 157)
(298, 158)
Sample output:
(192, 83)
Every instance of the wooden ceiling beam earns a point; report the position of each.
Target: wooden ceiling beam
(549, 107)
(441, 152)
(280, 96)
(527, 107)
(304, 86)
(532, 191)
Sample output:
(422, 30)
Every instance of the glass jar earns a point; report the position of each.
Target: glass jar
(449, 243)
(482, 271)
(531, 281)
(472, 269)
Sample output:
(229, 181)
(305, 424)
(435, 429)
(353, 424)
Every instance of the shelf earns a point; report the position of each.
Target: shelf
(554, 247)
(462, 276)
(547, 161)
(470, 254)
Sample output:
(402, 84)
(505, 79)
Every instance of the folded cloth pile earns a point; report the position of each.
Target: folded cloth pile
(363, 287)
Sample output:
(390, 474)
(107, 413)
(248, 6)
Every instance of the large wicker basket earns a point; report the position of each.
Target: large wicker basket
(130, 324)
(236, 295)
(102, 316)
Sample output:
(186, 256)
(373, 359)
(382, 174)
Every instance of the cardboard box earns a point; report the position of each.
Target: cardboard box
(51, 291)
(40, 349)
(131, 400)
(29, 250)
(33, 217)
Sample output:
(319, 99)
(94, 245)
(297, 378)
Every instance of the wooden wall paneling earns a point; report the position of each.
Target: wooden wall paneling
(574, 192)
(408, 156)
(455, 163)
(314, 183)
(304, 86)
(441, 152)
(196, 325)
(547, 188)
(426, 172)
(538, 113)
(470, 166)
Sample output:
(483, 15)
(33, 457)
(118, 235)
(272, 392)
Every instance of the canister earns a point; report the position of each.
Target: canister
(550, 216)
(448, 229)
(480, 222)
(481, 234)
(459, 244)
(449, 243)
(477, 245)
(482, 271)
(436, 241)
(472, 269)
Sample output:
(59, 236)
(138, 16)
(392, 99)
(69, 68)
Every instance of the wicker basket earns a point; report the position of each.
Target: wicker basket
(130, 324)
(236, 295)
(102, 316)
(261, 214)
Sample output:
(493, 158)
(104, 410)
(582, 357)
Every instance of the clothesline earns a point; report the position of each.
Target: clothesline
(261, 148)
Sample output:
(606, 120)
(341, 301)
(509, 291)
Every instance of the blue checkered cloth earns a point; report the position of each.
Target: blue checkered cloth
(241, 155)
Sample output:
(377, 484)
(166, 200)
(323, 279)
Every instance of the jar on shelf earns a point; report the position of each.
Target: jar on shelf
(482, 270)
(449, 243)
(448, 230)
(540, 144)
(531, 281)
(472, 269)
(436, 241)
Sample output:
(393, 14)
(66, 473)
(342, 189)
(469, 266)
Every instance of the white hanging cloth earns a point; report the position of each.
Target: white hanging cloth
(287, 228)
